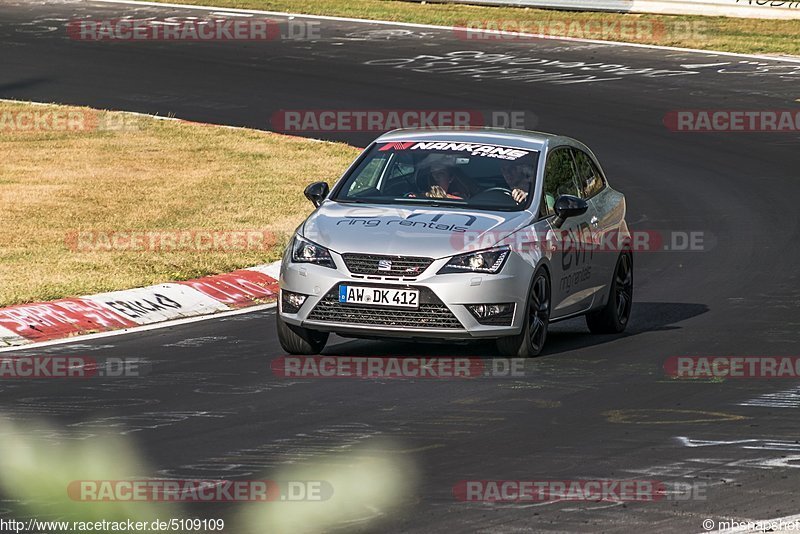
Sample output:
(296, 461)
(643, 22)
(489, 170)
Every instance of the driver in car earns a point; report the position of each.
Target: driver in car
(519, 177)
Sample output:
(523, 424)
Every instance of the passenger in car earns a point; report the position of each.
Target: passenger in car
(446, 182)
(438, 176)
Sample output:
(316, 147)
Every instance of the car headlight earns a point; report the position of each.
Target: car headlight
(304, 251)
(485, 261)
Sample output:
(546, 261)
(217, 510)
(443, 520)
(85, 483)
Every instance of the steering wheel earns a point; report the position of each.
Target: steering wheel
(504, 190)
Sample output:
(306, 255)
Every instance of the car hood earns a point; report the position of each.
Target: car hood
(408, 230)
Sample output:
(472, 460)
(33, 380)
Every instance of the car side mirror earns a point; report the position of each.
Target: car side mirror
(316, 193)
(568, 206)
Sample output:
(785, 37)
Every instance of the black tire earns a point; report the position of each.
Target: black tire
(299, 340)
(530, 342)
(613, 317)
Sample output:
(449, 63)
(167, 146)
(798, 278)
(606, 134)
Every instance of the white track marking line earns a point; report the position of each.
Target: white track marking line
(437, 27)
(228, 14)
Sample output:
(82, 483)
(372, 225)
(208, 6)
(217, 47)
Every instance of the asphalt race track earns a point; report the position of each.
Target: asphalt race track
(592, 406)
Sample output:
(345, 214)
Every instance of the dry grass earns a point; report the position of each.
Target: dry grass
(755, 36)
(152, 175)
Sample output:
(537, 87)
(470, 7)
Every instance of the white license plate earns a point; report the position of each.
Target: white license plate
(379, 296)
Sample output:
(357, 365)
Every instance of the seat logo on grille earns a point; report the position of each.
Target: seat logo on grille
(384, 265)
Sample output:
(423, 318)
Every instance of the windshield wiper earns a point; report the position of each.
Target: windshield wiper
(353, 201)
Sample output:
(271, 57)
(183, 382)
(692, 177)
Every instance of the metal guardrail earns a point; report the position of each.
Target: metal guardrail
(767, 9)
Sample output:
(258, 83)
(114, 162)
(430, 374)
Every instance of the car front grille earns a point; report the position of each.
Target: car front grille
(371, 264)
(432, 313)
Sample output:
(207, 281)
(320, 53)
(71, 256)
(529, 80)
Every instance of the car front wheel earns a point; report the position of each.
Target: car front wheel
(299, 340)
(530, 341)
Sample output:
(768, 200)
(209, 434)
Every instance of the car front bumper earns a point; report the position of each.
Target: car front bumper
(443, 299)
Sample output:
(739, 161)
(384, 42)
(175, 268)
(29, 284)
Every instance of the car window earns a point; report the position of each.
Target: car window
(589, 177)
(401, 165)
(560, 178)
(367, 176)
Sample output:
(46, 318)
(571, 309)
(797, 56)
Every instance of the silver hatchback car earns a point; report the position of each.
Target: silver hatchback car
(462, 234)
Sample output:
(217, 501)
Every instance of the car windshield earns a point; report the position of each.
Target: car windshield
(458, 174)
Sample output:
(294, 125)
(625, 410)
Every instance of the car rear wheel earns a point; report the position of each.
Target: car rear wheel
(299, 340)
(613, 317)
(530, 341)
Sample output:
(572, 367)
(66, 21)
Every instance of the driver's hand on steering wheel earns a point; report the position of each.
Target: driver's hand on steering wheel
(519, 195)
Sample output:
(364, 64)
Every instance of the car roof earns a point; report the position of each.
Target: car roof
(492, 136)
